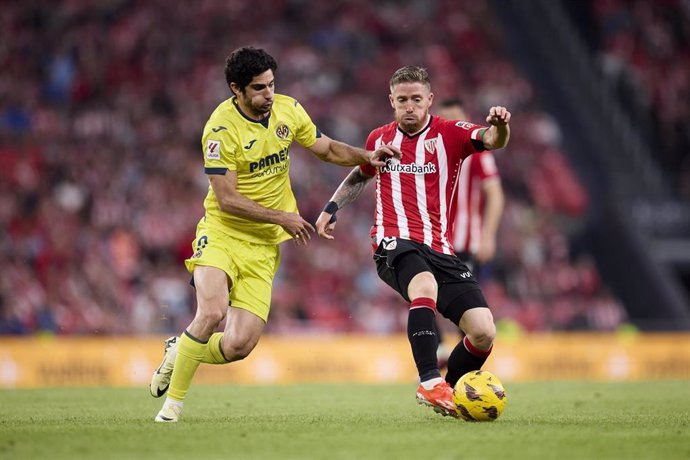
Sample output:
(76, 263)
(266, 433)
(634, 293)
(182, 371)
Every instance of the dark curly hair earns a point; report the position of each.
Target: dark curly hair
(245, 63)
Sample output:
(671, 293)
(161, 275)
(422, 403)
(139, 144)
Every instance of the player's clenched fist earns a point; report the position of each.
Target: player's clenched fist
(498, 116)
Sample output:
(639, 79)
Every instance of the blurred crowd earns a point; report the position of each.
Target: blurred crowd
(644, 47)
(102, 106)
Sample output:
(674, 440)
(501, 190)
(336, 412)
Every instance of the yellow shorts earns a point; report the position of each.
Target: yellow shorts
(251, 267)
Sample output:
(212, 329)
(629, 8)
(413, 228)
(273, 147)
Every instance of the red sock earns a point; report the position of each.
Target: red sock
(423, 302)
(474, 350)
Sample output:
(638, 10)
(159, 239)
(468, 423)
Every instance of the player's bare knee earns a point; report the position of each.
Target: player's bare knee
(423, 285)
(238, 347)
(483, 336)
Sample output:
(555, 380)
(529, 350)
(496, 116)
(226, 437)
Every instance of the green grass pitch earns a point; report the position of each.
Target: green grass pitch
(554, 420)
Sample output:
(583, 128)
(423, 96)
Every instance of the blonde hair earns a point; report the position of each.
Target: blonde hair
(410, 74)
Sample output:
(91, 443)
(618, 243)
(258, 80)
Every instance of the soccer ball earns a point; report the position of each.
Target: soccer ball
(479, 396)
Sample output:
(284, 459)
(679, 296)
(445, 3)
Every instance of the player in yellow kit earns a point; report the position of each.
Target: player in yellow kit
(250, 209)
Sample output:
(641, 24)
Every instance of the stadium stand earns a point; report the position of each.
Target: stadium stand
(101, 111)
(639, 225)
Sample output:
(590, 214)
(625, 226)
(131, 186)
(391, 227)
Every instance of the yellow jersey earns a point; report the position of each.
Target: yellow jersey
(259, 152)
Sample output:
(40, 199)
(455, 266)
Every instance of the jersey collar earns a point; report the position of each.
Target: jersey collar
(410, 136)
(263, 122)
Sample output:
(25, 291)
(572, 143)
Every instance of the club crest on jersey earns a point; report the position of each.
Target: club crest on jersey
(282, 131)
(212, 150)
(430, 145)
(389, 243)
(465, 125)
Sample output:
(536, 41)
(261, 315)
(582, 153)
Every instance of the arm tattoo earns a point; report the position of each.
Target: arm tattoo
(351, 188)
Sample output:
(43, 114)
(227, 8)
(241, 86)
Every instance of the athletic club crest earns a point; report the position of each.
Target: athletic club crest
(430, 145)
(282, 131)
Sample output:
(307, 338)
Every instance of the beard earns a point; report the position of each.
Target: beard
(409, 125)
(260, 109)
(253, 108)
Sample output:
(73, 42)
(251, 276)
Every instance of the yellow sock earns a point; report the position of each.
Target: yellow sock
(190, 353)
(212, 353)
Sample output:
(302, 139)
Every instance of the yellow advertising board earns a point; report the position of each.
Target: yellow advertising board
(129, 361)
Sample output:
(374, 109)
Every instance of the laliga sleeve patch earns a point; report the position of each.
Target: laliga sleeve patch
(465, 125)
(212, 150)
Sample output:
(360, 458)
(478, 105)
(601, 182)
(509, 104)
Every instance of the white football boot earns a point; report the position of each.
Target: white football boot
(160, 380)
(170, 412)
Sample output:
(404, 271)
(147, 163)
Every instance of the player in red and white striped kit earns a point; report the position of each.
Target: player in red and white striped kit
(479, 201)
(411, 232)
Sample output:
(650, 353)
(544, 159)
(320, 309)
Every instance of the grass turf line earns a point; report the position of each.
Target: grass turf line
(565, 420)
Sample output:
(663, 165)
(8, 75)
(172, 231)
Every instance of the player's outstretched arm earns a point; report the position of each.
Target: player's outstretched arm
(496, 137)
(337, 152)
(233, 202)
(347, 192)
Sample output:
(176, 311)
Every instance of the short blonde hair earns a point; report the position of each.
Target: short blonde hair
(410, 74)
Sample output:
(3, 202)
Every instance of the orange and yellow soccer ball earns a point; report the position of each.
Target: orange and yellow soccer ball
(479, 396)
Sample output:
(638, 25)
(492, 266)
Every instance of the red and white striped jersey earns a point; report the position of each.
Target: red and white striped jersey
(467, 212)
(414, 194)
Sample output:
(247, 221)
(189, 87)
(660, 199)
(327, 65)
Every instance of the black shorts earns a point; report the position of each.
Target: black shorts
(398, 261)
(468, 259)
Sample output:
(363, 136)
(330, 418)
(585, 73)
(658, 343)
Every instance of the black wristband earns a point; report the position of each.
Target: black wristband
(331, 207)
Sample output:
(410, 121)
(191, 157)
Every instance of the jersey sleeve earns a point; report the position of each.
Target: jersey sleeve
(467, 135)
(219, 151)
(366, 168)
(306, 131)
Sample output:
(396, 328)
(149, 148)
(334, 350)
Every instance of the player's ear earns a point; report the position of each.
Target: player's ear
(390, 98)
(234, 87)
